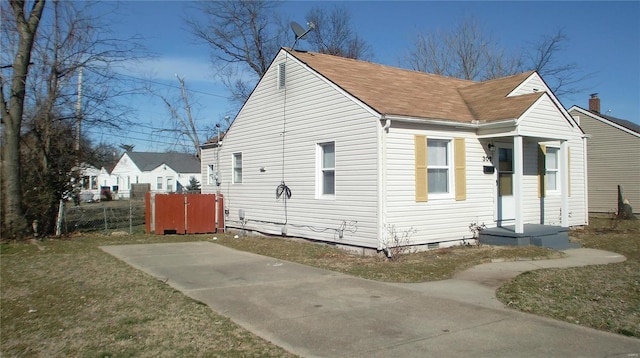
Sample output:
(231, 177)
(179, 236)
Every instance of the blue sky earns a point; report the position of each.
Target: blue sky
(604, 40)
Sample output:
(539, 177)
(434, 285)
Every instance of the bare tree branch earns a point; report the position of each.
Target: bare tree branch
(563, 78)
(469, 52)
(185, 125)
(334, 35)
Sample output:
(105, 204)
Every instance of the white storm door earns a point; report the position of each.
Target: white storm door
(506, 210)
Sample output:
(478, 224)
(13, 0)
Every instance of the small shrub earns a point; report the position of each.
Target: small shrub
(397, 243)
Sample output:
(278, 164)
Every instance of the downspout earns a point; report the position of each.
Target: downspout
(586, 180)
(382, 184)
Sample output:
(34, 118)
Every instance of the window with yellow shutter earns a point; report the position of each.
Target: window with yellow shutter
(437, 162)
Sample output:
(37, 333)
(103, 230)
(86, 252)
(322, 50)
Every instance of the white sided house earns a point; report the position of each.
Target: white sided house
(93, 182)
(359, 154)
(165, 172)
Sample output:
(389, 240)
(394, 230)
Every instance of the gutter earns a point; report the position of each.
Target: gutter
(473, 124)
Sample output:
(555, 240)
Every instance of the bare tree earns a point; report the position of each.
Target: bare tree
(68, 39)
(334, 35)
(243, 36)
(185, 124)
(563, 78)
(465, 52)
(26, 26)
(468, 51)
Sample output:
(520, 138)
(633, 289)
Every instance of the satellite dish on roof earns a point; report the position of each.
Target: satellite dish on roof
(300, 32)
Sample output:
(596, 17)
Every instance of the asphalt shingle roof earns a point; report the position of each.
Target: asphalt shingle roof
(622, 122)
(401, 92)
(180, 162)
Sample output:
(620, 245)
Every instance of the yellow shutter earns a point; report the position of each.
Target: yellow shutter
(460, 163)
(569, 169)
(420, 149)
(542, 168)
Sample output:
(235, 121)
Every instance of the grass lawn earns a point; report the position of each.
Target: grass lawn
(66, 297)
(605, 297)
(414, 267)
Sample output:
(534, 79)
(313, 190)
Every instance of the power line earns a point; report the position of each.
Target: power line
(170, 86)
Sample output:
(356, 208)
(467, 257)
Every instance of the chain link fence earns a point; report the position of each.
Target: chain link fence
(106, 217)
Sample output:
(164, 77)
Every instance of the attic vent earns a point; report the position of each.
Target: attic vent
(281, 75)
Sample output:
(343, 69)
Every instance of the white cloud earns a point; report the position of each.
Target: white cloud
(165, 69)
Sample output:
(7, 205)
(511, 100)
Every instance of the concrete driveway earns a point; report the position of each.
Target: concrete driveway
(318, 313)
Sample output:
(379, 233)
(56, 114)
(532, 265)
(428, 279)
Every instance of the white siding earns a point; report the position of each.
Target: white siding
(532, 85)
(125, 170)
(315, 112)
(208, 157)
(310, 111)
(437, 220)
(544, 120)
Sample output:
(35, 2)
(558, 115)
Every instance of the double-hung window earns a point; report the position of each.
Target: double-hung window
(210, 174)
(439, 166)
(237, 168)
(159, 183)
(326, 176)
(169, 184)
(552, 164)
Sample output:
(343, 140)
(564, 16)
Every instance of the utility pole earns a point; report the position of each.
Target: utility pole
(78, 114)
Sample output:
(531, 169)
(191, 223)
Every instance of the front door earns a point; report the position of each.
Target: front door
(506, 202)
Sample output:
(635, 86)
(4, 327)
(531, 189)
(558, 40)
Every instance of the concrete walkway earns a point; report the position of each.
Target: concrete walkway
(318, 313)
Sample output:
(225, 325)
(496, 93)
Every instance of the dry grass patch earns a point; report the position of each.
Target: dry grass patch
(415, 267)
(605, 297)
(64, 298)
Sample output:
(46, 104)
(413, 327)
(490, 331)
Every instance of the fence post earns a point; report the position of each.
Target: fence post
(106, 226)
(130, 217)
(59, 219)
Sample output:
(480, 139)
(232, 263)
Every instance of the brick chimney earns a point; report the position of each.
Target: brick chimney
(594, 103)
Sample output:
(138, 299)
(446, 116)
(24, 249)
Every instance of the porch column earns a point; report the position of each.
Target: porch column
(564, 184)
(518, 165)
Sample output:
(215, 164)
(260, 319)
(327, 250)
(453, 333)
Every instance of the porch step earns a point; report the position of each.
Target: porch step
(553, 237)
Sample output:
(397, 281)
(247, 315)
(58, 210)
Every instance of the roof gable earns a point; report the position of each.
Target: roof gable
(400, 92)
(621, 124)
(180, 162)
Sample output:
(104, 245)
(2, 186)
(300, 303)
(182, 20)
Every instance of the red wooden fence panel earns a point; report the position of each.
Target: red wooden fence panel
(184, 213)
(201, 213)
(170, 214)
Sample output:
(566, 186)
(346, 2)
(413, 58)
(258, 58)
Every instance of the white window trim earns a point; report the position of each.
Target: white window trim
(233, 168)
(450, 168)
(555, 191)
(210, 175)
(319, 171)
(172, 182)
(159, 181)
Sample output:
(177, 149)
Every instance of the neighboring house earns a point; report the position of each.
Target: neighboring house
(210, 176)
(356, 153)
(613, 157)
(165, 172)
(92, 182)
